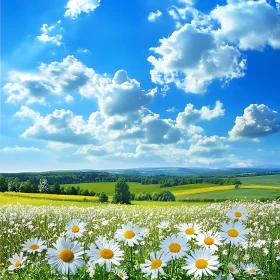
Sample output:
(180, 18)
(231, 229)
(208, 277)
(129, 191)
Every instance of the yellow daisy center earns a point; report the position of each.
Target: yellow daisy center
(238, 214)
(231, 269)
(66, 255)
(17, 264)
(75, 229)
(201, 263)
(129, 234)
(252, 270)
(121, 275)
(34, 247)
(156, 264)
(233, 232)
(174, 248)
(189, 231)
(106, 254)
(209, 241)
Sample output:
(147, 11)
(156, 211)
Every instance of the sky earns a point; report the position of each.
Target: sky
(103, 84)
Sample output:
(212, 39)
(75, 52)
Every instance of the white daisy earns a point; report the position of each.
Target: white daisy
(251, 269)
(164, 225)
(174, 247)
(129, 234)
(155, 265)
(17, 261)
(209, 240)
(201, 262)
(33, 245)
(233, 232)
(232, 268)
(188, 231)
(122, 274)
(239, 213)
(105, 253)
(66, 256)
(75, 228)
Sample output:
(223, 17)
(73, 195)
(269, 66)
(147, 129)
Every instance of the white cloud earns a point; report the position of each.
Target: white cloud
(191, 59)
(154, 16)
(76, 7)
(59, 146)
(257, 121)
(19, 149)
(61, 126)
(48, 34)
(69, 98)
(25, 112)
(81, 50)
(171, 110)
(191, 115)
(249, 24)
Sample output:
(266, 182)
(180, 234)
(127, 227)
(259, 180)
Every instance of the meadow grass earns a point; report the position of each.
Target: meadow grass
(268, 180)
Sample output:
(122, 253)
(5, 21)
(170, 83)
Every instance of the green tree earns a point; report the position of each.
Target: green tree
(166, 196)
(103, 198)
(3, 184)
(122, 193)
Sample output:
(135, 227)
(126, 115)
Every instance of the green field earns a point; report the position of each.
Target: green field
(269, 180)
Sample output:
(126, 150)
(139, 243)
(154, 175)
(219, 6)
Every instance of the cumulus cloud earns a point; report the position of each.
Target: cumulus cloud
(60, 126)
(191, 59)
(19, 149)
(191, 115)
(49, 34)
(154, 16)
(25, 112)
(249, 24)
(257, 121)
(75, 7)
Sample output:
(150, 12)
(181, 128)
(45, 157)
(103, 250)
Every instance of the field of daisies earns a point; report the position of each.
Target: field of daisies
(229, 240)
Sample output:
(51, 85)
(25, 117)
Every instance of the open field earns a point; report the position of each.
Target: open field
(269, 180)
(89, 235)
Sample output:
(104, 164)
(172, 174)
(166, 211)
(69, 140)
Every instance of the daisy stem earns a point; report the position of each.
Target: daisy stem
(68, 276)
(131, 257)
(229, 247)
(172, 268)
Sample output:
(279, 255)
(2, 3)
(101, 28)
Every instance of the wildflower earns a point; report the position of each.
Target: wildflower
(105, 253)
(155, 265)
(201, 262)
(129, 234)
(232, 268)
(75, 228)
(188, 231)
(239, 213)
(251, 269)
(233, 232)
(33, 245)
(122, 274)
(209, 240)
(66, 256)
(174, 247)
(17, 261)
(164, 225)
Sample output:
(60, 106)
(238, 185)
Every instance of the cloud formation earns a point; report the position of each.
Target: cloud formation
(257, 121)
(75, 7)
(49, 34)
(154, 16)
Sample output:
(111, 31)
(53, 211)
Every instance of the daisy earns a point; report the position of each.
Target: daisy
(66, 256)
(188, 231)
(164, 225)
(174, 247)
(33, 245)
(209, 240)
(232, 268)
(201, 262)
(233, 232)
(17, 261)
(155, 265)
(239, 213)
(129, 234)
(122, 274)
(251, 269)
(221, 277)
(105, 253)
(75, 228)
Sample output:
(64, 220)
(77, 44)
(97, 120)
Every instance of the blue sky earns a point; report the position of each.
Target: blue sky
(122, 84)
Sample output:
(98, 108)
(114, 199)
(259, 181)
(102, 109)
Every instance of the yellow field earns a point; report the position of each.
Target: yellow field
(220, 188)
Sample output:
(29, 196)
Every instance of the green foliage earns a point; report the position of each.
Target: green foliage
(122, 193)
(3, 184)
(103, 198)
(166, 196)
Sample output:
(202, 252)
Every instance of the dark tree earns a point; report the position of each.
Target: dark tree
(3, 184)
(122, 193)
(166, 196)
(103, 198)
